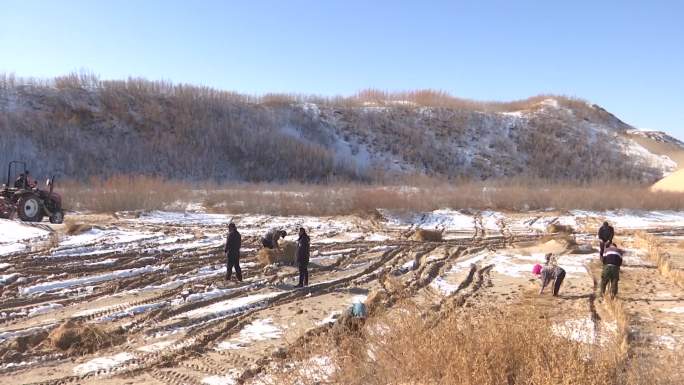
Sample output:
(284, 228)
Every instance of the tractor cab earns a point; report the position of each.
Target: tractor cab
(16, 175)
(21, 195)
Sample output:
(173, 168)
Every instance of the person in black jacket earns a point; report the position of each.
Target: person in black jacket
(605, 234)
(232, 251)
(21, 182)
(303, 244)
(612, 260)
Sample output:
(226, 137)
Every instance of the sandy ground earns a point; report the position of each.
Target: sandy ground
(160, 277)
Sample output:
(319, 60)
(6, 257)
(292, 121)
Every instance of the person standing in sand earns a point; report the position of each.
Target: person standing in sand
(605, 235)
(612, 260)
(232, 250)
(303, 244)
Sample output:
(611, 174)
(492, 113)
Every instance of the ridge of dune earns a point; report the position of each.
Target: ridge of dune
(671, 183)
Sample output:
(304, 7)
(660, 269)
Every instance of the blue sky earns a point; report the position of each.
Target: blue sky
(627, 56)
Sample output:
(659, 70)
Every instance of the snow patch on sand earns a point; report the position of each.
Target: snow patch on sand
(11, 231)
(133, 310)
(579, 330)
(228, 379)
(8, 278)
(678, 309)
(359, 298)
(102, 363)
(377, 238)
(44, 309)
(462, 265)
(449, 219)
(230, 306)
(23, 332)
(635, 219)
(68, 283)
(506, 265)
(259, 330)
(667, 342)
(164, 217)
(319, 368)
(11, 248)
(331, 318)
(443, 286)
(110, 236)
(215, 293)
(155, 347)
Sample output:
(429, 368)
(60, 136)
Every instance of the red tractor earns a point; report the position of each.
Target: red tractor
(24, 198)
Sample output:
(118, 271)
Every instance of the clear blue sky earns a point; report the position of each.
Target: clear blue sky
(627, 56)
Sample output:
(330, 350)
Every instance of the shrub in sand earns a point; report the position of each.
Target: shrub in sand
(423, 235)
(554, 228)
(24, 343)
(75, 228)
(286, 254)
(377, 300)
(80, 338)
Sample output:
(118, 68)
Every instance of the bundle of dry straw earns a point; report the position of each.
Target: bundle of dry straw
(284, 256)
(423, 235)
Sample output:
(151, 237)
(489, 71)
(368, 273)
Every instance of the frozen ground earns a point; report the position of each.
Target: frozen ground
(160, 277)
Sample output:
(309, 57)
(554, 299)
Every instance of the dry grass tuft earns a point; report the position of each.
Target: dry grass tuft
(80, 338)
(75, 228)
(422, 235)
(377, 301)
(555, 228)
(617, 308)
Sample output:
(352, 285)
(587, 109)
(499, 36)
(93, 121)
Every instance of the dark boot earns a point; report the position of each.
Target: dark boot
(238, 271)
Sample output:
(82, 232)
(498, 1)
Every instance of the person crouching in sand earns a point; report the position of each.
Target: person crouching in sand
(549, 272)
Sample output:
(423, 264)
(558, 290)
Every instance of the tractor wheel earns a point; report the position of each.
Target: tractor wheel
(57, 217)
(30, 208)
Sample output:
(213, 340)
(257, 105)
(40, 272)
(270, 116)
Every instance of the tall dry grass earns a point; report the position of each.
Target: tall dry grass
(513, 196)
(150, 193)
(121, 193)
(88, 80)
(488, 348)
